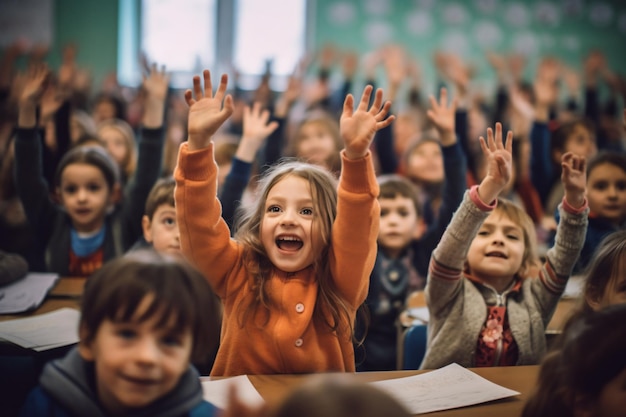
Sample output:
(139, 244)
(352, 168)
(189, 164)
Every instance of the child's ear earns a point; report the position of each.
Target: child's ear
(84, 345)
(147, 231)
(593, 300)
(116, 194)
(419, 229)
(57, 195)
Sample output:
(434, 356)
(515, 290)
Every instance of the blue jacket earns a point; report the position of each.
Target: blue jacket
(67, 389)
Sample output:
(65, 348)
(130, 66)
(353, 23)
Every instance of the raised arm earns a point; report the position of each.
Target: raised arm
(256, 128)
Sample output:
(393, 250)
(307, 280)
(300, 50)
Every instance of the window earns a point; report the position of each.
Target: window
(268, 31)
(189, 35)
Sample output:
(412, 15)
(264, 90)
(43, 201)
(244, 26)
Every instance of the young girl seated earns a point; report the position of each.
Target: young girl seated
(489, 302)
(144, 318)
(297, 270)
(586, 374)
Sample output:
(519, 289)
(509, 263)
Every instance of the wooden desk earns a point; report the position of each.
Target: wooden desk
(273, 388)
(66, 293)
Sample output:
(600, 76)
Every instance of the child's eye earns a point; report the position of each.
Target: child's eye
(93, 187)
(307, 211)
(621, 185)
(70, 189)
(513, 237)
(172, 340)
(601, 186)
(126, 333)
(483, 233)
(273, 209)
(169, 221)
(403, 213)
(384, 212)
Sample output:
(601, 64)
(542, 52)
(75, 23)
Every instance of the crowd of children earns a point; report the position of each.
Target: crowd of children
(290, 229)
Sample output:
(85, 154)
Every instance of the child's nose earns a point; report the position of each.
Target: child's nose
(147, 351)
(288, 217)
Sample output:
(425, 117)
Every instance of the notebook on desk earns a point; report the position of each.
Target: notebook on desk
(42, 332)
(27, 293)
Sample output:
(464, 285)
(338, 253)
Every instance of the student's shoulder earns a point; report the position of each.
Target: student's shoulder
(39, 403)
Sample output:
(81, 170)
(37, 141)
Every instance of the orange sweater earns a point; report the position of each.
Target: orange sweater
(290, 341)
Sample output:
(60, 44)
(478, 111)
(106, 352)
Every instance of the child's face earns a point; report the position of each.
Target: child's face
(612, 399)
(398, 224)
(136, 363)
(85, 195)
(425, 163)
(497, 251)
(104, 110)
(606, 192)
(162, 231)
(580, 142)
(116, 143)
(289, 233)
(316, 145)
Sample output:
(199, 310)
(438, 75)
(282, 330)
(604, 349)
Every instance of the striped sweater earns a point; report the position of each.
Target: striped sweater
(458, 305)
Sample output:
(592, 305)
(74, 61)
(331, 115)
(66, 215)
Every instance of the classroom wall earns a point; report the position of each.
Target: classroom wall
(567, 29)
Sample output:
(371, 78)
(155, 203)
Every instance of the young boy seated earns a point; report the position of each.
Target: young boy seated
(144, 318)
(160, 230)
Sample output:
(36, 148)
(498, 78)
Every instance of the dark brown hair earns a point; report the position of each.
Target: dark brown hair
(178, 291)
(93, 155)
(162, 193)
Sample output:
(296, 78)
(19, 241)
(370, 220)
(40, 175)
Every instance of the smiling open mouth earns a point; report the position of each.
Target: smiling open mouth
(496, 255)
(289, 243)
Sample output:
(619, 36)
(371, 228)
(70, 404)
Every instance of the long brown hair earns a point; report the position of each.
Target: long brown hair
(330, 307)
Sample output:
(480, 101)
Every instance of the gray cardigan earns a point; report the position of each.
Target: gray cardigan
(458, 306)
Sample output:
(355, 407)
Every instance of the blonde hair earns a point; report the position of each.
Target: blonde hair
(326, 122)
(330, 307)
(129, 164)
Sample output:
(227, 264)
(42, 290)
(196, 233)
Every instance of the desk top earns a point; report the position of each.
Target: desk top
(65, 293)
(273, 388)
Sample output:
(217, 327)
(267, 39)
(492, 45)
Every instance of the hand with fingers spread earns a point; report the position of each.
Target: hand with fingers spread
(255, 130)
(35, 84)
(357, 128)
(206, 112)
(443, 117)
(574, 178)
(155, 85)
(498, 154)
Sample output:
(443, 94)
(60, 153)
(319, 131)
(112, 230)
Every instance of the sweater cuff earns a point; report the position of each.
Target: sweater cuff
(358, 176)
(568, 208)
(480, 203)
(196, 165)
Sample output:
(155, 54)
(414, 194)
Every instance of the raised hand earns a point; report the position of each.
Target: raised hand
(442, 116)
(155, 85)
(574, 178)
(498, 155)
(35, 83)
(358, 127)
(206, 112)
(255, 130)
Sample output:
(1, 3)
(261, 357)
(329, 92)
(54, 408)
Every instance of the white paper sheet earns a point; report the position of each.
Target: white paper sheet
(449, 387)
(420, 314)
(27, 293)
(216, 392)
(44, 331)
